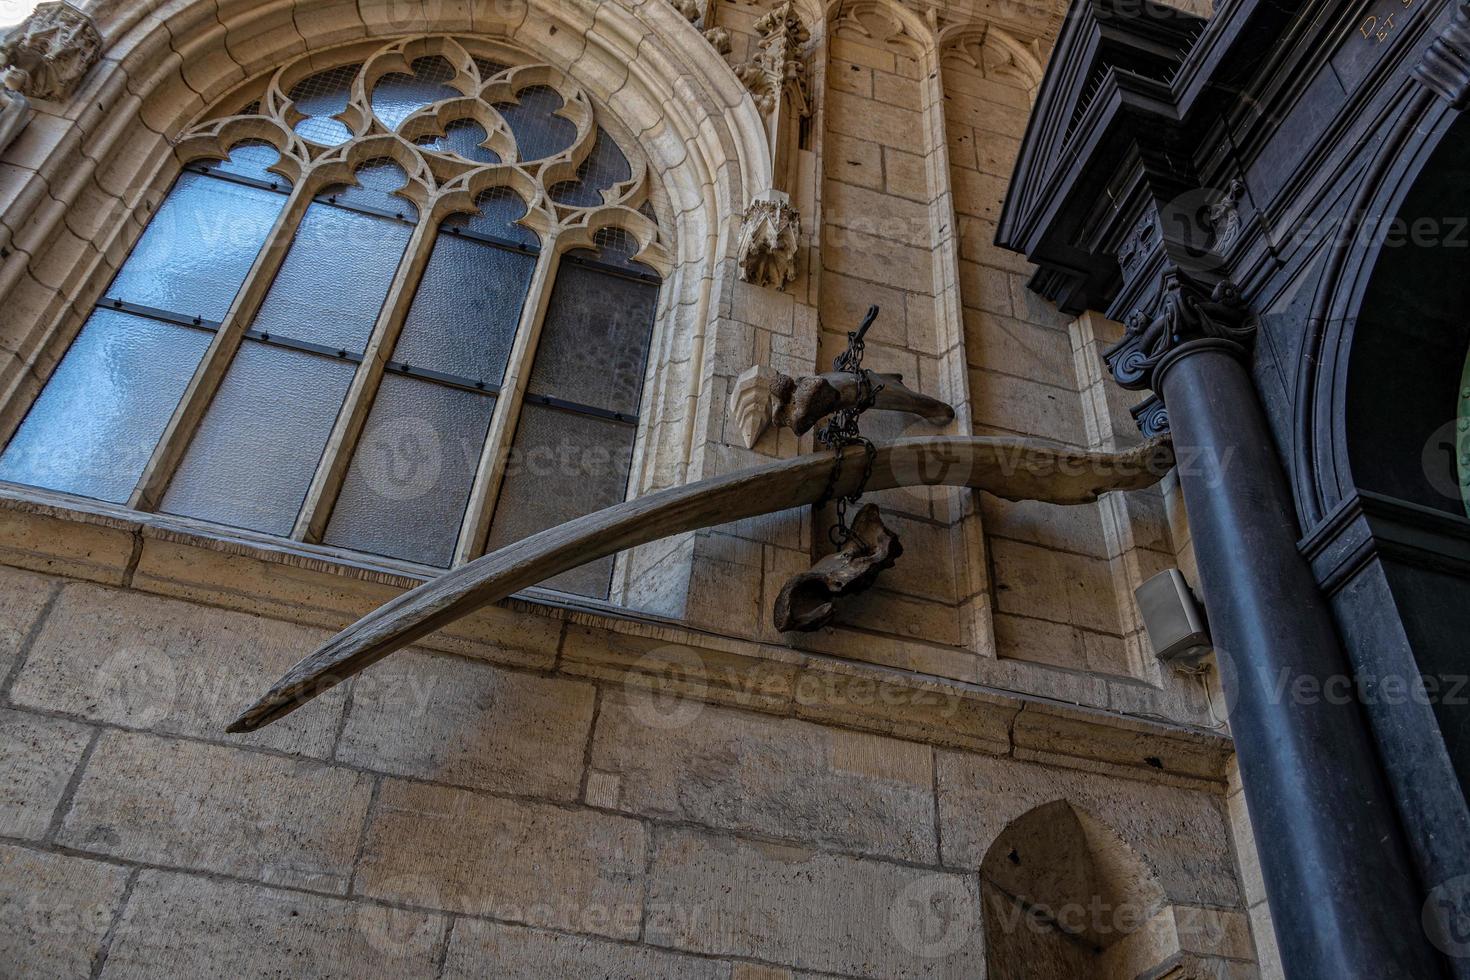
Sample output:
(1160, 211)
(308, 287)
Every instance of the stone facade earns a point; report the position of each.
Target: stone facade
(665, 786)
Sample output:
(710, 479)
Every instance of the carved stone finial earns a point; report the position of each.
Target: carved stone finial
(750, 403)
(1184, 310)
(1444, 68)
(769, 238)
(778, 66)
(47, 54)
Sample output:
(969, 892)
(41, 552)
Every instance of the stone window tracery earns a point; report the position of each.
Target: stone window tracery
(399, 301)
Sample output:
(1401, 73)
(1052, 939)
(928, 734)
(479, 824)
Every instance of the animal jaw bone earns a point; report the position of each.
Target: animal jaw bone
(806, 601)
(1016, 469)
(763, 397)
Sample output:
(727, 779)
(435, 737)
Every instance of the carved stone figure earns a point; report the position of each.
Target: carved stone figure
(15, 108)
(806, 601)
(1184, 310)
(47, 54)
(769, 239)
(719, 39)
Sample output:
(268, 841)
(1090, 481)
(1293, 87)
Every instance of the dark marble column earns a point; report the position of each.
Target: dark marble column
(1343, 893)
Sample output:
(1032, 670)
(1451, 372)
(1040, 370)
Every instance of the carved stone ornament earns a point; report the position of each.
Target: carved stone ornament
(778, 67)
(769, 238)
(1444, 67)
(47, 54)
(806, 601)
(719, 39)
(1185, 310)
(15, 108)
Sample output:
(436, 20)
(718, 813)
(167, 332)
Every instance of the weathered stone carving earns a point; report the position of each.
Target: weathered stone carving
(719, 39)
(806, 601)
(15, 108)
(47, 54)
(778, 66)
(1016, 469)
(769, 239)
(1185, 310)
(1444, 67)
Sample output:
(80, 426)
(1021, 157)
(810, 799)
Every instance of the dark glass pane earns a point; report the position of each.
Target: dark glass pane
(320, 97)
(398, 96)
(616, 247)
(463, 318)
(539, 133)
(101, 414)
(604, 167)
(198, 248)
(489, 69)
(562, 466)
(594, 345)
(500, 210)
(252, 158)
(255, 452)
(406, 491)
(378, 182)
(465, 138)
(334, 279)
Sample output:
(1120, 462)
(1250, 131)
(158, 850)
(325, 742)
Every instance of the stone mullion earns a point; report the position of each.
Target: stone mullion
(321, 496)
(496, 454)
(221, 352)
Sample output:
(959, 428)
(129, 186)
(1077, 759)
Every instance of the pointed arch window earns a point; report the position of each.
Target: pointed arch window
(399, 305)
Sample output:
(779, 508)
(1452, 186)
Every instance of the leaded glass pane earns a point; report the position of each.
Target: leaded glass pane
(463, 318)
(252, 158)
(500, 210)
(378, 182)
(594, 345)
(406, 491)
(489, 69)
(604, 167)
(335, 277)
(538, 131)
(465, 137)
(562, 466)
(321, 96)
(98, 419)
(397, 96)
(198, 247)
(254, 454)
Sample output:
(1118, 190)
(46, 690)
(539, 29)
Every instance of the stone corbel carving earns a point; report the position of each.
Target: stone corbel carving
(769, 237)
(1185, 310)
(47, 54)
(1444, 68)
(15, 108)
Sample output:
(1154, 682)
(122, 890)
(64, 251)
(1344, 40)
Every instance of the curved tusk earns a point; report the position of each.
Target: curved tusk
(1016, 469)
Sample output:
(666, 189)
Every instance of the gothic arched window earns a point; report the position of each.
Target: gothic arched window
(399, 301)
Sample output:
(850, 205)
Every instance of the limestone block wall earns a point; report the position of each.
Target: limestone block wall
(558, 800)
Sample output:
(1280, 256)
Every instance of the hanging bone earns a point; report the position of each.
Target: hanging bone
(763, 397)
(806, 603)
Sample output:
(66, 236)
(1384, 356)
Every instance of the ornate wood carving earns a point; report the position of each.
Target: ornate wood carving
(1016, 469)
(47, 54)
(806, 602)
(1444, 67)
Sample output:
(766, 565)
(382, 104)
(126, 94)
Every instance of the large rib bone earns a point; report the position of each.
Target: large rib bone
(1015, 469)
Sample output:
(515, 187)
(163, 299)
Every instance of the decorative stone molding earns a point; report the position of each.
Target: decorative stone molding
(1184, 310)
(1152, 417)
(1444, 67)
(47, 54)
(750, 403)
(769, 238)
(778, 67)
(15, 108)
